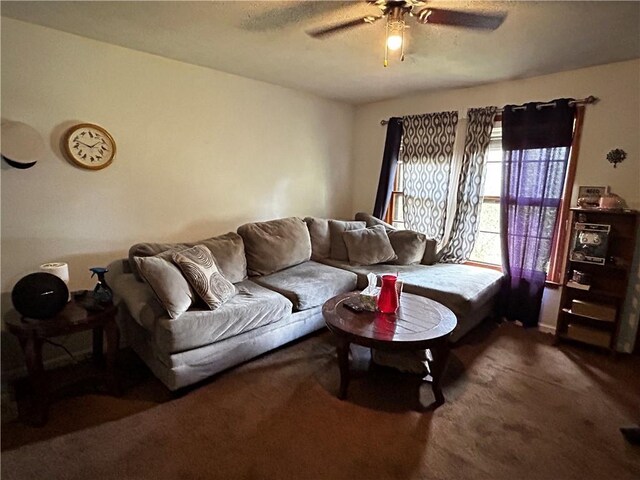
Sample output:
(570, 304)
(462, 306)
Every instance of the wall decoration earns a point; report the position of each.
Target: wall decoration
(22, 145)
(616, 156)
(589, 196)
(89, 146)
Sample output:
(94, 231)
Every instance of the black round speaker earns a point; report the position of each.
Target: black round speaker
(39, 295)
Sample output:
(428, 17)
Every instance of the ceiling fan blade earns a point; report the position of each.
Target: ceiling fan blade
(321, 32)
(438, 16)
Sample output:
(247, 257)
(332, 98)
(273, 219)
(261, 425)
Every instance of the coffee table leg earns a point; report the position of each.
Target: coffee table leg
(440, 356)
(343, 362)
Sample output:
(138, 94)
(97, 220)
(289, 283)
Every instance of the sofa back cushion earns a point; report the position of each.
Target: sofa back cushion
(368, 246)
(336, 229)
(320, 237)
(275, 245)
(227, 249)
(430, 256)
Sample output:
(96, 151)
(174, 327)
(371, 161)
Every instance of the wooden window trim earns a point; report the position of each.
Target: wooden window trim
(490, 266)
(557, 260)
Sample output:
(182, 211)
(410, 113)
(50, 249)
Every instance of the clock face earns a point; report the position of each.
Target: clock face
(89, 146)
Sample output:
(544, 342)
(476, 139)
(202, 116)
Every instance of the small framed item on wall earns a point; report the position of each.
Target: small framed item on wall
(589, 244)
(589, 196)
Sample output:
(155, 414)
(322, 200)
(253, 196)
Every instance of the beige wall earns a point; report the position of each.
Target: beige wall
(614, 122)
(199, 152)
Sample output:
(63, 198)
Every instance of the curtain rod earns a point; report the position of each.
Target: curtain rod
(582, 101)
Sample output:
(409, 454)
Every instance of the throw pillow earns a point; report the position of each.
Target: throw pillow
(408, 245)
(372, 221)
(336, 229)
(200, 270)
(227, 249)
(368, 246)
(320, 237)
(167, 282)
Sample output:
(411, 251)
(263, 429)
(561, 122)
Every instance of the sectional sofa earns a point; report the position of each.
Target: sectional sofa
(282, 271)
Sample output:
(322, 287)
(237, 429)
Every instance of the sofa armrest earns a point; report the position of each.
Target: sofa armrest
(138, 296)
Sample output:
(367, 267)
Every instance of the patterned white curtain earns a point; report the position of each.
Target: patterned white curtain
(465, 222)
(427, 152)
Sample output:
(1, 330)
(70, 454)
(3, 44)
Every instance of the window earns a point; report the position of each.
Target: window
(487, 246)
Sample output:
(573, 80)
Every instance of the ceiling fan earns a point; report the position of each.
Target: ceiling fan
(395, 11)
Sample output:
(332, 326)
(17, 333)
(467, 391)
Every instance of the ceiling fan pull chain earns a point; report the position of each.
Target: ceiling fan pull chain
(402, 51)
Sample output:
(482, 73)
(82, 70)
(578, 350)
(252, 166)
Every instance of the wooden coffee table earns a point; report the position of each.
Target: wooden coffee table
(419, 324)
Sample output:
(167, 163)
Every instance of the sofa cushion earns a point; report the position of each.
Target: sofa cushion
(372, 221)
(200, 270)
(320, 237)
(274, 245)
(368, 246)
(462, 288)
(227, 249)
(309, 284)
(408, 245)
(430, 256)
(336, 228)
(167, 282)
(252, 307)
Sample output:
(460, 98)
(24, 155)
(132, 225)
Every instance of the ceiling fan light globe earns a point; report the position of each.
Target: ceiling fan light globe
(394, 42)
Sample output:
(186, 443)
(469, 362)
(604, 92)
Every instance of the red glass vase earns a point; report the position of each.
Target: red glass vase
(388, 297)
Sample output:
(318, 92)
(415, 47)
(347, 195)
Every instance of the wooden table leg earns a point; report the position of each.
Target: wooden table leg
(98, 355)
(32, 348)
(343, 362)
(440, 354)
(113, 340)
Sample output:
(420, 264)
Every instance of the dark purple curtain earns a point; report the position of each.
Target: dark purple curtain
(536, 141)
(389, 164)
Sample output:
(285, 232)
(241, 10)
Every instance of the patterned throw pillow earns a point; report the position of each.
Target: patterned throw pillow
(199, 268)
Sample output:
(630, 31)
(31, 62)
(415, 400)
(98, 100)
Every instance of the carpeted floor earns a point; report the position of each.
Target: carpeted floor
(517, 408)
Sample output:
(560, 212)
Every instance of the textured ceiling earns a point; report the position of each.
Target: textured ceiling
(267, 41)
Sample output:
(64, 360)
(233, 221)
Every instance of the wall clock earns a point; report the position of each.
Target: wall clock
(89, 146)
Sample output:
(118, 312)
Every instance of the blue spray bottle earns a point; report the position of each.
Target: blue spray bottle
(102, 291)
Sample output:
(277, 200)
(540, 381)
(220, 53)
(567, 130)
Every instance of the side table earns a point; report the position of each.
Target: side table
(74, 318)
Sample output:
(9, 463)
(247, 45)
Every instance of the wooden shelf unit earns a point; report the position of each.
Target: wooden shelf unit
(608, 282)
